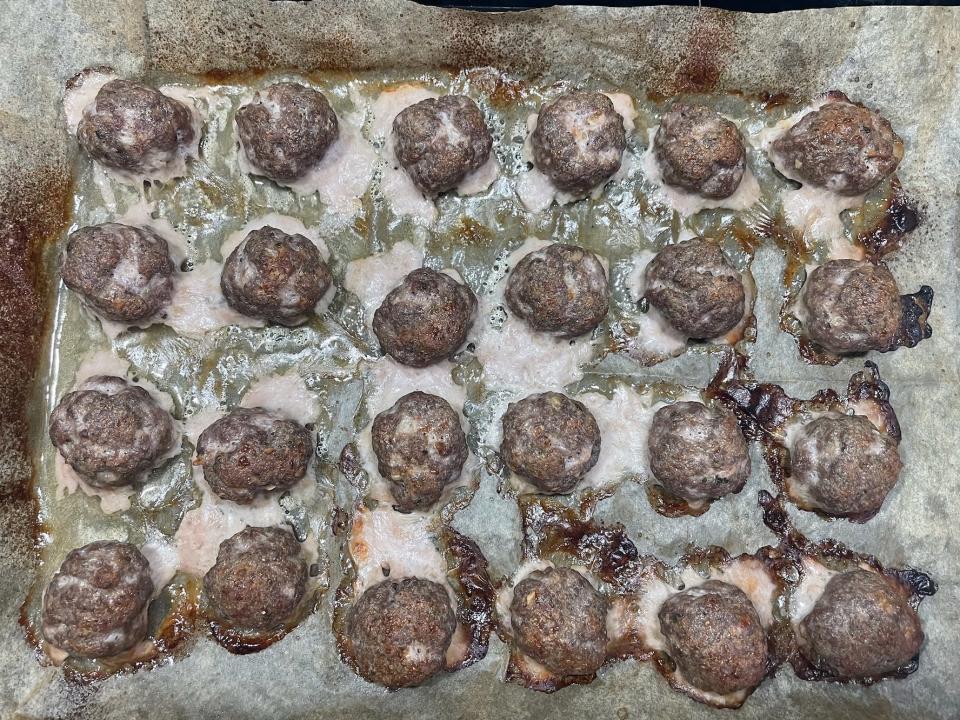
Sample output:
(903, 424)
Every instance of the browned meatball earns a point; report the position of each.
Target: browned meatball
(96, 604)
(862, 626)
(579, 141)
(425, 318)
(252, 451)
(852, 306)
(560, 289)
(439, 140)
(714, 636)
(700, 151)
(134, 128)
(551, 440)
(560, 620)
(123, 273)
(698, 291)
(275, 276)
(286, 130)
(399, 631)
(843, 147)
(258, 580)
(698, 452)
(420, 448)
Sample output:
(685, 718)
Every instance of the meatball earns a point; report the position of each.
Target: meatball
(862, 626)
(286, 130)
(560, 620)
(252, 451)
(275, 276)
(551, 440)
(852, 306)
(579, 141)
(399, 630)
(697, 290)
(134, 128)
(714, 635)
(560, 289)
(420, 448)
(425, 318)
(121, 272)
(258, 580)
(700, 151)
(111, 432)
(439, 140)
(96, 604)
(844, 465)
(698, 452)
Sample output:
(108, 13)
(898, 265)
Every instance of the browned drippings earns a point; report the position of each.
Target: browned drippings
(914, 323)
(476, 592)
(669, 505)
(900, 217)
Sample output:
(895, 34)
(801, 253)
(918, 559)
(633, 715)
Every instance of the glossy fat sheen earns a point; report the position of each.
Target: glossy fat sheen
(399, 630)
(862, 626)
(439, 140)
(111, 432)
(560, 289)
(95, 605)
(698, 452)
(286, 130)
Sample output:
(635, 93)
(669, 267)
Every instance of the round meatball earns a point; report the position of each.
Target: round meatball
(579, 141)
(551, 440)
(134, 128)
(275, 276)
(398, 632)
(560, 289)
(121, 272)
(697, 290)
(852, 306)
(862, 626)
(252, 451)
(286, 130)
(439, 140)
(698, 452)
(700, 151)
(258, 580)
(714, 635)
(420, 448)
(560, 620)
(425, 318)
(111, 432)
(96, 604)
(843, 465)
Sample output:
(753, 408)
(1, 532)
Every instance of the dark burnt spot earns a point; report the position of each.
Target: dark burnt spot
(475, 609)
(900, 216)
(919, 582)
(867, 385)
(915, 325)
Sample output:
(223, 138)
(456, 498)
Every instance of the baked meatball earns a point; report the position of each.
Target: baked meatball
(286, 130)
(560, 620)
(111, 432)
(258, 580)
(697, 290)
(439, 140)
(420, 448)
(399, 630)
(96, 604)
(121, 272)
(861, 627)
(560, 289)
(579, 141)
(134, 128)
(698, 452)
(844, 465)
(551, 440)
(700, 151)
(425, 318)
(252, 451)
(843, 147)
(852, 306)
(714, 635)
(275, 276)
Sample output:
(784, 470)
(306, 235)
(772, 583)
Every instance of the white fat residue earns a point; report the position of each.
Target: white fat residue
(84, 92)
(811, 587)
(164, 560)
(285, 394)
(656, 339)
(373, 277)
(477, 181)
(199, 306)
